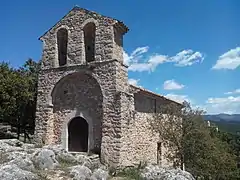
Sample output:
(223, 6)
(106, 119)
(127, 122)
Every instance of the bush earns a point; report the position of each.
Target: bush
(130, 173)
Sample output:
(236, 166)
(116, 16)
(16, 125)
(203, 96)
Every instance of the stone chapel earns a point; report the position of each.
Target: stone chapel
(85, 102)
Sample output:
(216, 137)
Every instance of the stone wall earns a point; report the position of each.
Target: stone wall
(139, 143)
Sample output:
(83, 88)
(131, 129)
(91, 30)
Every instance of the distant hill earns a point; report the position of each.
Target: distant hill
(223, 117)
(225, 122)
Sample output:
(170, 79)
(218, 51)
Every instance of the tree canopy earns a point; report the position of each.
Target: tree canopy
(190, 141)
(18, 92)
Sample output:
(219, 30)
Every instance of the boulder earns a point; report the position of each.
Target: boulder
(80, 172)
(61, 154)
(13, 172)
(19, 158)
(22, 163)
(100, 174)
(155, 172)
(45, 159)
(9, 145)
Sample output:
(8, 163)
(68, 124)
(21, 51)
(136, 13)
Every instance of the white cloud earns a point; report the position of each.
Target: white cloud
(126, 58)
(236, 91)
(178, 98)
(134, 81)
(139, 51)
(223, 100)
(187, 58)
(138, 62)
(229, 60)
(213, 105)
(172, 85)
(228, 105)
(150, 65)
(135, 56)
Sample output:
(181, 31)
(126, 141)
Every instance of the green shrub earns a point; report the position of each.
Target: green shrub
(65, 163)
(130, 173)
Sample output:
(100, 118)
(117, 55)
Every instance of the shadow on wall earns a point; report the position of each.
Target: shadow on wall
(79, 92)
(148, 104)
(144, 103)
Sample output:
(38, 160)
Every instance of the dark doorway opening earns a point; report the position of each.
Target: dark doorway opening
(78, 135)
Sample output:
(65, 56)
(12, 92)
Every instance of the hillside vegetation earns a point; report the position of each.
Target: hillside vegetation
(225, 122)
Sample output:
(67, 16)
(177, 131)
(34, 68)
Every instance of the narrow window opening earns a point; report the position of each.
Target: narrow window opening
(89, 41)
(118, 37)
(62, 41)
(159, 153)
(155, 105)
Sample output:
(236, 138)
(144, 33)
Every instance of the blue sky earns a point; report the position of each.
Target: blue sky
(181, 49)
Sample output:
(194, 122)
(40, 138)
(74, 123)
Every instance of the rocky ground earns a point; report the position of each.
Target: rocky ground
(19, 161)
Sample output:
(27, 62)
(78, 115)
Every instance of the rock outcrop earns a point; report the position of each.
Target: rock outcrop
(155, 172)
(19, 161)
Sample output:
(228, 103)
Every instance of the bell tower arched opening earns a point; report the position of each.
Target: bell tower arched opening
(62, 41)
(89, 41)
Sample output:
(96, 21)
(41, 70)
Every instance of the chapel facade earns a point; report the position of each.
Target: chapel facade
(85, 102)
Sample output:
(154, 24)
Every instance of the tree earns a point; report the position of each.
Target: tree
(18, 90)
(30, 71)
(191, 142)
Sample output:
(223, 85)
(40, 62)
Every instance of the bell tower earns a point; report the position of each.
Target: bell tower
(82, 37)
(82, 75)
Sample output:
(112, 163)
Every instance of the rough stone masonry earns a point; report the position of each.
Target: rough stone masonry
(84, 100)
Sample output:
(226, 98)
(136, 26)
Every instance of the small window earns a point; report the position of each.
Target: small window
(118, 37)
(89, 41)
(62, 41)
(159, 153)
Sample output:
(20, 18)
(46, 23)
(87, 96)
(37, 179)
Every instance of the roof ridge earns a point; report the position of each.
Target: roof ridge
(153, 93)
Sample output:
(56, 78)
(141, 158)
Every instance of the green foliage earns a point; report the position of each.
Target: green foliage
(130, 173)
(18, 92)
(202, 149)
(65, 163)
(42, 174)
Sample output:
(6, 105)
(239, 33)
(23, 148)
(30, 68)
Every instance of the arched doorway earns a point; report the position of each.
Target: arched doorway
(78, 135)
(78, 95)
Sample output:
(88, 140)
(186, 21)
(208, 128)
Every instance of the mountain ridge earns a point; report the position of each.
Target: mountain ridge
(223, 117)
